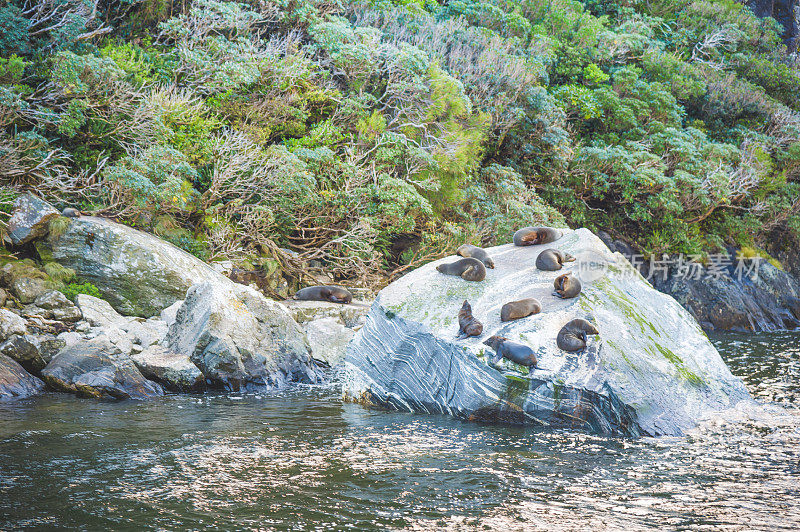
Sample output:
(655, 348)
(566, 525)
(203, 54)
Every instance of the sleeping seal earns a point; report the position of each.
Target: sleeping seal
(468, 250)
(551, 260)
(566, 286)
(572, 336)
(334, 294)
(468, 269)
(531, 236)
(515, 310)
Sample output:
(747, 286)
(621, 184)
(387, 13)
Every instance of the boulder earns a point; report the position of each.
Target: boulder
(27, 289)
(146, 332)
(650, 371)
(96, 368)
(30, 219)
(174, 371)
(239, 339)
(54, 305)
(26, 350)
(328, 339)
(168, 314)
(138, 273)
(15, 382)
(99, 313)
(10, 324)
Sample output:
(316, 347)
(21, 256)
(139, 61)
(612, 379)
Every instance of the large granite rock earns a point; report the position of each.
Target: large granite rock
(138, 273)
(328, 339)
(650, 371)
(29, 219)
(15, 382)
(96, 368)
(239, 339)
(11, 324)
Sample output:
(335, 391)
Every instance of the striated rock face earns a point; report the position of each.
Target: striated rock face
(29, 219)
(239, 339)
(138, 273)
(96, 368)
(650, 371)
(15, 382)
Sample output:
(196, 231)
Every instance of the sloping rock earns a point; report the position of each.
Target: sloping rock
(328, 339)
(239, 339)
(174, 371)
(98, 312)
(650, 371)
(138, 273)
(169, 314)
(26, 350)
(350, 315)
(15, 382)
(29, 219)
(96, 368)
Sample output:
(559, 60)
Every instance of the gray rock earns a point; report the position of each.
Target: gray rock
(96, 368)
(27, 289)
(3, 297)
(10, 324)
(30, 219)
(169, 313)
(239, 339)
(351, 315)
(15, 382)
(54, 305)
(175, 372)
(650, 371)
(138, 273)
(146, 332)
(25, 349)
(70, 338)
(328, 339)
(99, 313)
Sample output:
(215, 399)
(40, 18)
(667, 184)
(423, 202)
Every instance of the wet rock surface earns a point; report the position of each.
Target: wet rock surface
(174, 371)
(15, 382)
(650, 371)
(96, 368)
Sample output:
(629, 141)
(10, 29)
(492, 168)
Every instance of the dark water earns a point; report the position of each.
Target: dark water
(303, 460)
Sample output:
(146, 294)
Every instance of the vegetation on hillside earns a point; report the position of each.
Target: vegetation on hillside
(373, 136)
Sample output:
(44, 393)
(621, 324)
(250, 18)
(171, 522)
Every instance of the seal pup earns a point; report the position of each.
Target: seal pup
(551, 260)
(334, 294)
(531, 236)
(518, 353)
(572, 336)
(69, 212)
(467, 324)
(469, 269)
(566, 286)
(515, 310)
(468, 250)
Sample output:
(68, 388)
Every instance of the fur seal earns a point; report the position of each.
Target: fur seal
(504, 348)
(334, 294)
(530, 236)
(551, 260)
(468, 250)
(467, 324)
(469, 269)
(572, 336)
(515, 310)
(567, 286)
(69, 212)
